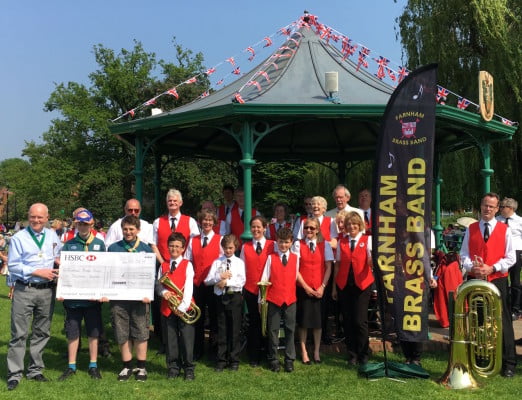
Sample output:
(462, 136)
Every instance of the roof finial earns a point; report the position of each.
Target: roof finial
(306, 16)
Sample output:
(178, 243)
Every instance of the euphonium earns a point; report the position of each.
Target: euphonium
(263, 287)
(192, 314)
(476, 344)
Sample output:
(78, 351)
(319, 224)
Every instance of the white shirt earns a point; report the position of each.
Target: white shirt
(333, 212)
(188, 288)
(501, 265)
(188, 251)
(193, 227)
(261, 241)
(333, 228)
(357, 238)
(515, 224)
(236, 266)
(114, 234)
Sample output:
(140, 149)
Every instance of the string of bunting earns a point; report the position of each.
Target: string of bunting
(389, 72)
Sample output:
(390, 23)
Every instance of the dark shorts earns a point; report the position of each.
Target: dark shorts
(130, 320)
(73, 321)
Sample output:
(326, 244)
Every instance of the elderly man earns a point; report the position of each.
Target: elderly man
(32, 255)
(341, 196)
(174, 221)
(487, 253)
(365, 201)
(508, 207)
(114, 234)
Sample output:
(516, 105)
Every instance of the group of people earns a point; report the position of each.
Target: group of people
(323, 256)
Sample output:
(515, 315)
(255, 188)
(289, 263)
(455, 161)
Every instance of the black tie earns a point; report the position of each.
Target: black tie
(242, 216)
(227, 209)
(366, 219)
(172, 266)
(258, 248)
(173, 223)
(312, 249)
(205, 241)
(352, 245)
(285, 261)
(486, 232)
(507, 220)
(228, 264)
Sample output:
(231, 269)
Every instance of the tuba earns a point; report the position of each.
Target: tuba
(263, 287)
(476, 339)
(193, 312)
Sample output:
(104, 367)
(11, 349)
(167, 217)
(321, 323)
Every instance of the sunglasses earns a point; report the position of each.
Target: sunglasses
(310, 228)
(133, 210)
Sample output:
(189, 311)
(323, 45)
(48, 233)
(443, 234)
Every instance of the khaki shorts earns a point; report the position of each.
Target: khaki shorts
(130, 320)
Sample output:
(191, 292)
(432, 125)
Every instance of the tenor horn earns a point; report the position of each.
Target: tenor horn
(476, 344)
(193, 312)
(263, 288)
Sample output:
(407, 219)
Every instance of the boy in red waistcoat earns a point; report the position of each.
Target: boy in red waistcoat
(281, 270)
(179, 336)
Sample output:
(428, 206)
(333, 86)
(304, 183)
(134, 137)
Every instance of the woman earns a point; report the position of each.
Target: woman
(315, 265)
(280, 215)
(353, 278)
(254, 255)
(328, 226)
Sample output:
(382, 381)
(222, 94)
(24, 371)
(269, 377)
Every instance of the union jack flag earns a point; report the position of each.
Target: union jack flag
(204, 94)
(251, 50)
(131, 113)
(238, 98)
(285, 31)
(191, 80)
(403, 73)
(463, 103)
(210, 71)
(219, 82)
(173, 92)
(507, 122)
(391, 74)
(362, 58)
(442, 94)
(236, 71)
(150, 102)
(231, 61)
(268, 42)
(382, 62)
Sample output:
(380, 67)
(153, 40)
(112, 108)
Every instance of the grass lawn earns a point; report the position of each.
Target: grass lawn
(330, 380)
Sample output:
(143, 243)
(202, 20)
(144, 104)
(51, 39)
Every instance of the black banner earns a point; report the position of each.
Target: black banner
(401, 207)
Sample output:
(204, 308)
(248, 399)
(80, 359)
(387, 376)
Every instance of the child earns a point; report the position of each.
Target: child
(179, 336)
(281, 270)
(227, 274)
(130, 319)
(78, 310)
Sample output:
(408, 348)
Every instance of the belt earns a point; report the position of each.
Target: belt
(39, 285)
(230, 291)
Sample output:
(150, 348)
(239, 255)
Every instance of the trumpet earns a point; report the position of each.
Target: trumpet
(263, 287)
(476, 344)
(193, 312)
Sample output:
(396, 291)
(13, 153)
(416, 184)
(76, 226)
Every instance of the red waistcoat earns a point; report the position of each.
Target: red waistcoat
(164, 232)
(325, 228)
(178, 278)
(202, 258)
(254, 264)
(283, 278)
(358, 260)
(273, 232)
(311, 265)
(493, 250)
(236, 225)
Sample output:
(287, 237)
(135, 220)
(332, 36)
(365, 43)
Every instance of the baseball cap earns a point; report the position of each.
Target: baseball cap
(84, 216)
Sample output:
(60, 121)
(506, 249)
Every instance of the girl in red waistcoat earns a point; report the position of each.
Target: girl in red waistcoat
(315, 266)
(254, 255)
(202, 251)
(280, 215)
(353, 278)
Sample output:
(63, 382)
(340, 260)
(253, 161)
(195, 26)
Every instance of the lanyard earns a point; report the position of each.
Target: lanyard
(86, 243)
(131, 249)
(40, 242)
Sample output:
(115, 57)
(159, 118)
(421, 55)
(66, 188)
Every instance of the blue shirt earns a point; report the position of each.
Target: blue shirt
(25, 257)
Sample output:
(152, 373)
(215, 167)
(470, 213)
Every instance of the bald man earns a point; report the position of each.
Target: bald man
(33, 253)
(114, 234)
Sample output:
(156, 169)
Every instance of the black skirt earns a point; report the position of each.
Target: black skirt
(308, 310)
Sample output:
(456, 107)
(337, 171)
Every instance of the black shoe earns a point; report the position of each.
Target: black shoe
(275, 367)
(220, 367)
(318, 361)
(254, 364)
(289, 366)
(172, 373)
(94, 373)
(508, 372)
(66, 374)
(234, 366)
(39, 378)
(352, 361)
(189, 375)
(12, 384)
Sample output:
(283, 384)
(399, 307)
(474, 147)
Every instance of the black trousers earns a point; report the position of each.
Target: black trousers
(229, 309)
(179, 346)
(204, 298)
(509, 357)
(354, 309)
(514, 278)
(254, 336)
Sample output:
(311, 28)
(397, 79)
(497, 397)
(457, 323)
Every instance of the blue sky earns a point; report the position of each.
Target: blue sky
(43, 43)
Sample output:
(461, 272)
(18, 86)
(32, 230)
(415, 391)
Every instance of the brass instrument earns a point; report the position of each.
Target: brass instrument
(263, 287)
(193, 312)
(476, 344)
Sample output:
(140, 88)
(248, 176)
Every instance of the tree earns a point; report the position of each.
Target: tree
(464, 37)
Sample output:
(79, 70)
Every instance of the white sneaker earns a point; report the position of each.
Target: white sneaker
(141, 374)
(125, 374)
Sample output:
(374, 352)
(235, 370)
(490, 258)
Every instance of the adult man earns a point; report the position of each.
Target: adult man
(341, 196)
(487, 253)
(508, 207)
(235, 219)
(228, 202)
(114, 234)
(32, 254)
(365, 201)
(174, 221)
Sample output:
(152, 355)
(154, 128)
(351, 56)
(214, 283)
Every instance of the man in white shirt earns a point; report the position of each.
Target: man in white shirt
(114, 234)
(341, 196)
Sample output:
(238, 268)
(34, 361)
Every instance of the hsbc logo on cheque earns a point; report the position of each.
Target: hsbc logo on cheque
(90, 257)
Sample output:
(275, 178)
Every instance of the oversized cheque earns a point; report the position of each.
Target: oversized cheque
(117, 276)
